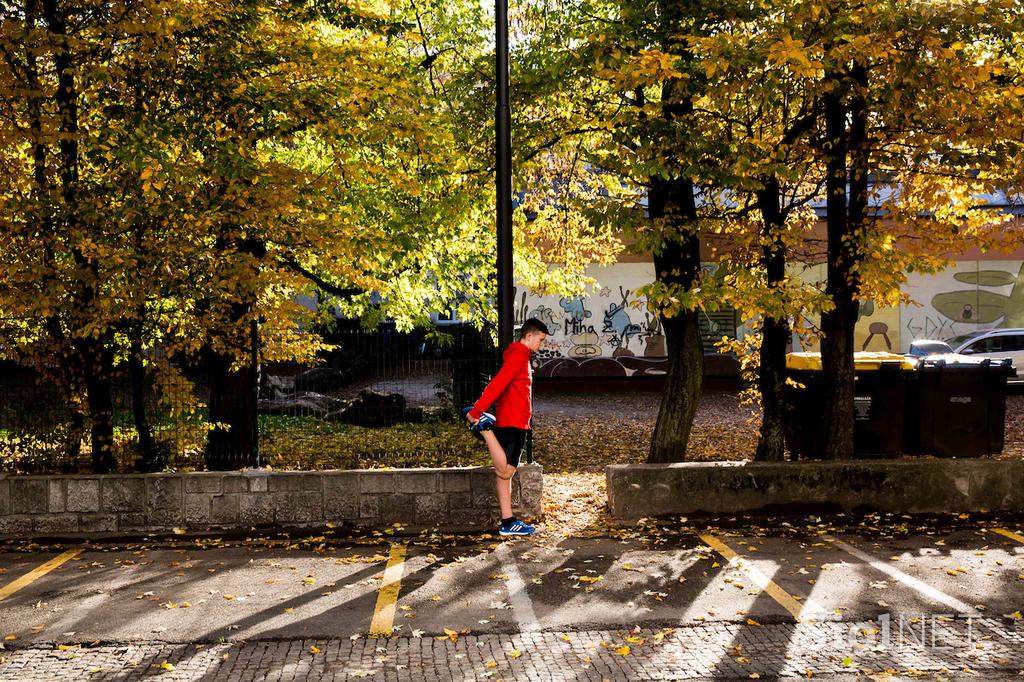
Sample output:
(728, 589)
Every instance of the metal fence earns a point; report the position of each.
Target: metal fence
(311, 416)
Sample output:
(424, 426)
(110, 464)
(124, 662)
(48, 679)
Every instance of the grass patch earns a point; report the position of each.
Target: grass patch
(312, 443)
(306, 443)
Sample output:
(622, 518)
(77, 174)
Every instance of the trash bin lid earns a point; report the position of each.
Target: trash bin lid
(967, 363)
(958, 359)
(862, 361)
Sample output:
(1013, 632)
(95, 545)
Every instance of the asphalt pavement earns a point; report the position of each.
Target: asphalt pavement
(880, 599)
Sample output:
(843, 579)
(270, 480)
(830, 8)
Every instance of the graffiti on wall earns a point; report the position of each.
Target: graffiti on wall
(983, 304)
(611, 333)
(608, 333)
(878, 327)
(966, 297)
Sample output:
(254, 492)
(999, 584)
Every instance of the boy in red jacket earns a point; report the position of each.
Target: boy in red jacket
(505, 433)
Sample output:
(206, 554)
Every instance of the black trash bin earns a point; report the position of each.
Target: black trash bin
(959, 409)
(804, 438)
(882, 388)
(880, 409)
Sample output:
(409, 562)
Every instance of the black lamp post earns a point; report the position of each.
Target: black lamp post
(503, 180)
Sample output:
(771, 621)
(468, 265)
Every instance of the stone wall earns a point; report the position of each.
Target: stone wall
(899, 486)
(451, 498)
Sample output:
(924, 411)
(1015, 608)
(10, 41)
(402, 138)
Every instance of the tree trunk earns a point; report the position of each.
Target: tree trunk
(682, 388)
(233, 403)
(150, 459)
(841, 287)
(771, 378)
(93, 349)
(97, 363)
(677, 262)
(677, 265)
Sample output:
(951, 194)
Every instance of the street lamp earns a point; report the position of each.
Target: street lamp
(503, 179)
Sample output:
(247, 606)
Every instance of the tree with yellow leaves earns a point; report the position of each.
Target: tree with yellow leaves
(176, 174)
(730, 119)
(865, 102)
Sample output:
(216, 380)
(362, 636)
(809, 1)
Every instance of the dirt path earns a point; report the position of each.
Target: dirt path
(586, 431)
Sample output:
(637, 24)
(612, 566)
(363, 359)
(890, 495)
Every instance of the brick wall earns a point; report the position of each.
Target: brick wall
(452, 498)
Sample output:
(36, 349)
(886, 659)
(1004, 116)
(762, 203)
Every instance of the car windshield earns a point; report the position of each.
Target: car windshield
(964, 338)
(929, 348)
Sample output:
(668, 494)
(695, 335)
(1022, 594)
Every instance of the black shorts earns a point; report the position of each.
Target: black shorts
(512, 441)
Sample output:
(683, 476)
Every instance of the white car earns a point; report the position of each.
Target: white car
(996, 343)
(922, 348)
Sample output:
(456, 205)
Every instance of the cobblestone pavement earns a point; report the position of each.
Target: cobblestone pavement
(983, 649)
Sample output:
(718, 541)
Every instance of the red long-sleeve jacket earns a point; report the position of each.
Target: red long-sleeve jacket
(511, 388)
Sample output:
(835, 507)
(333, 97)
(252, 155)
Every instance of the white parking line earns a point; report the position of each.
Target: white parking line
(910, 581)
(522, 606)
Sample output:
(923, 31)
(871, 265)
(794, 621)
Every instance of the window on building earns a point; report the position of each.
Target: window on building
(715, 325)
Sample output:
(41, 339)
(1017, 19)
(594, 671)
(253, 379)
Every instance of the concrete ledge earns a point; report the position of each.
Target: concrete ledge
(636, 491)
(463, 498)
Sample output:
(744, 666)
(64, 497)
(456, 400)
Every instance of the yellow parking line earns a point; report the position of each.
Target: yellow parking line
(36, 573)
(383, 621)
(768, 585)
(1009, 533)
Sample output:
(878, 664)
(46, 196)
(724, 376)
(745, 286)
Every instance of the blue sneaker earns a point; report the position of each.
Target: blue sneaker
(516, 527)
(485, 423)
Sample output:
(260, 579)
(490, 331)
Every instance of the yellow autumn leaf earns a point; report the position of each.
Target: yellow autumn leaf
(623, 650)
(314, 649)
